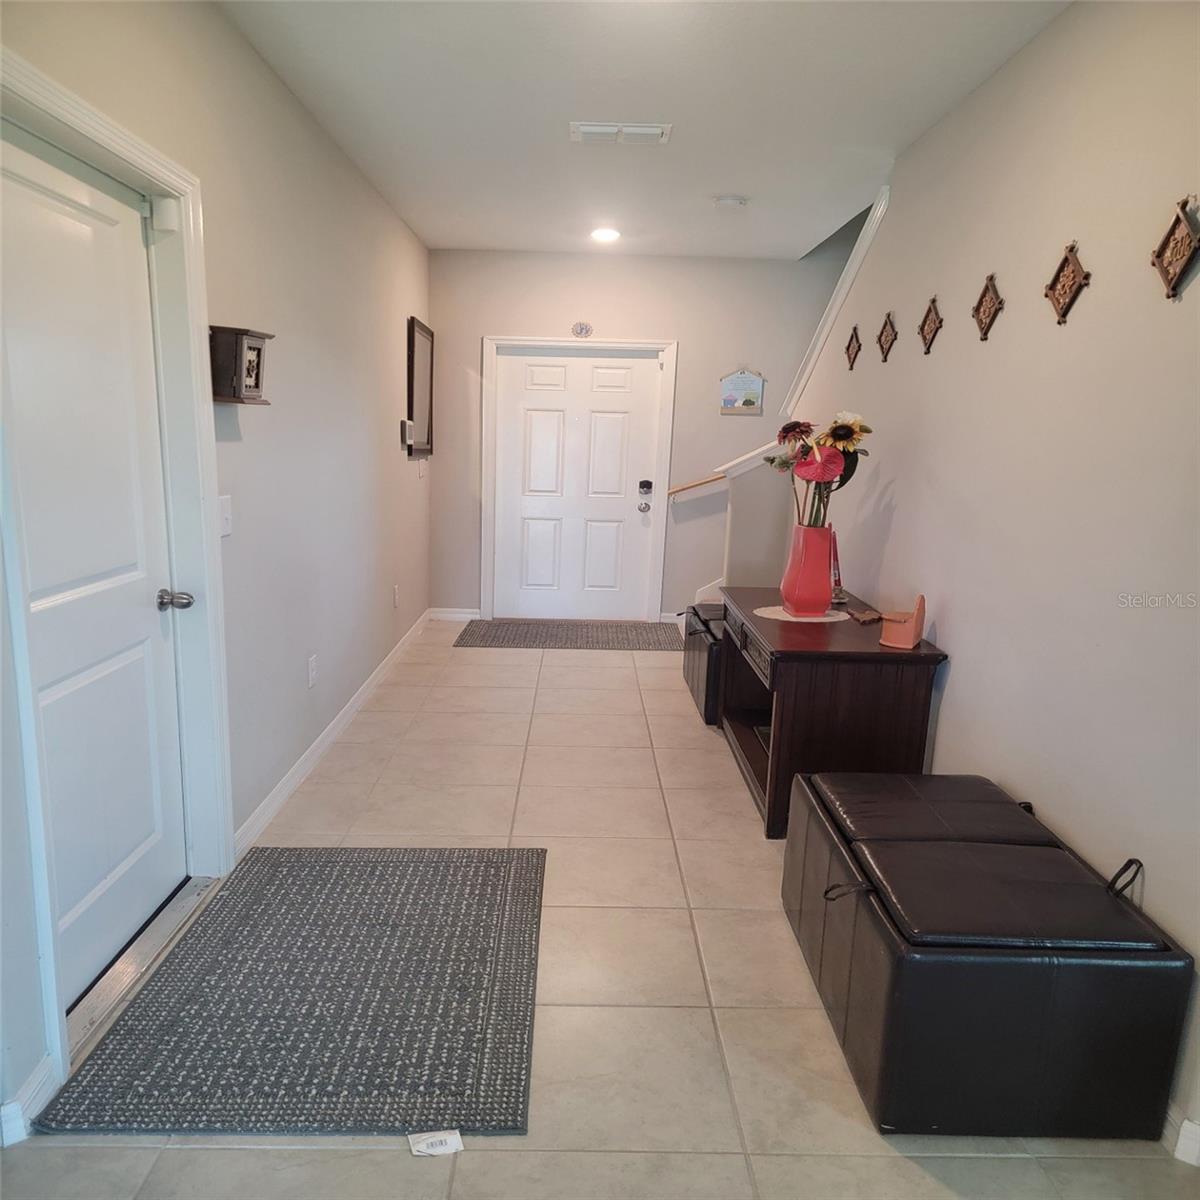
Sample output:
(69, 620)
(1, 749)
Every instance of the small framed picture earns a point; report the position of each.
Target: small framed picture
(742, 394)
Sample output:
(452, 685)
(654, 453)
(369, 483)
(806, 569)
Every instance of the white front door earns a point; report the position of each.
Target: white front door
(575, 435)
(81, 444)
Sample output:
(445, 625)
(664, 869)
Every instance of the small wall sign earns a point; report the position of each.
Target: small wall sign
(742, 394)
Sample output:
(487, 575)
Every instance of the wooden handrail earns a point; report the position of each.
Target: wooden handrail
(687, 487)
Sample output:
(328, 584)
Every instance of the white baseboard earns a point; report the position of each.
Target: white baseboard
(453, 614)
(251, 829)
(32, 1096)
(1182, 1137)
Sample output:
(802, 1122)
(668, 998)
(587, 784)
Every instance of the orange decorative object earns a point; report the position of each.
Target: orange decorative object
(904, 630)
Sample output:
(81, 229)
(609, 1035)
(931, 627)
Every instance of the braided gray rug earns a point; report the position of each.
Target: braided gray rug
(332, 991)
(572, 635)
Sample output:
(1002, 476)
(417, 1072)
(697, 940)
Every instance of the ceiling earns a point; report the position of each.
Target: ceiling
(459, 112)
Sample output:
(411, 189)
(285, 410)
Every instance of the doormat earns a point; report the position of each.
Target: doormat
(572, 635)
(332, 991)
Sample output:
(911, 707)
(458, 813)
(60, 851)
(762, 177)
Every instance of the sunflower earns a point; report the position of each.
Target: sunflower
(846, 431)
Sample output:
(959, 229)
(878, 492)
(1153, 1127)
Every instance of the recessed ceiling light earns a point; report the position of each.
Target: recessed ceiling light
(605, 234)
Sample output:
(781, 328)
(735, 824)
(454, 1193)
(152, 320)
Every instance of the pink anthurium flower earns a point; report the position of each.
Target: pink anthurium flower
(823, 465)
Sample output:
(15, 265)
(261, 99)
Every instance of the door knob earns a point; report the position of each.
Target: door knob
(169, 599)
(643, 507)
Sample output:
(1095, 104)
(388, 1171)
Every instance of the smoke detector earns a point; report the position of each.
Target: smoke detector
(614, 131)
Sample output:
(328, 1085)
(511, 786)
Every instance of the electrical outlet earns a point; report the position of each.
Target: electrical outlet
(312, 670)
(395, 595)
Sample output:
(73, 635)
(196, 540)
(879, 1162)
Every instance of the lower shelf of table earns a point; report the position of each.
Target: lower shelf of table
(748, 735)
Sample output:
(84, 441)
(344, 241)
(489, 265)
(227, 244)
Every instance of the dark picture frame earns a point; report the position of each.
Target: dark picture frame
(420, 387)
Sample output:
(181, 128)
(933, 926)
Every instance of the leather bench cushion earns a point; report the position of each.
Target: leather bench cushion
(985, 894)
(963, 808)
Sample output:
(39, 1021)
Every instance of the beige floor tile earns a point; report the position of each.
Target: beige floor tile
(661, 679)
(717, 814)
(318, 806)
(1093, 1148)
(752, 960)
(698, 768)
(432, 764)
(469, 729)
(479, 699)
(587, 658)
(618, 956)
(678, 704)
(663, 660)
(591, 812)
(429, 653)
(407, 674)
(485, 675)
(729, 874)
(686, 732)
(34, 1170)
(573, 729)
(588, 701)
(791, 1085)
(380, 841)
(625, 1079)
(352, 762)
(435, 635)
(1122, 1178)
(589, 766)
(277, 834)
(412, 808)
(395, 697)
(305, 1174)
(568, 1175)
(788, 1177)
(606, 679)
(619, 872)
(372, 726)
(493, 656)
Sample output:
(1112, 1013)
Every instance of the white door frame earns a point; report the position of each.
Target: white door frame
(668, 353)
(37, 104)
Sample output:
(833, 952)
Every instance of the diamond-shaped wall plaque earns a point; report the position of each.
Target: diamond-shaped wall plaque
(931, 322)
(987, 308)
(1068, 280)
(853, 346)
(1175, 252)
(887, 336)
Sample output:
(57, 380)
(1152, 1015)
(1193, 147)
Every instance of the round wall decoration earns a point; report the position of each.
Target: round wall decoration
(581, 329)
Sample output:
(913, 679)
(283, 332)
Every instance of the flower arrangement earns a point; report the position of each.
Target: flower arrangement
(824, 461)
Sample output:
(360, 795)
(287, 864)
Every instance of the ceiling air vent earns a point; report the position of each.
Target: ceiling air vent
(611, 131)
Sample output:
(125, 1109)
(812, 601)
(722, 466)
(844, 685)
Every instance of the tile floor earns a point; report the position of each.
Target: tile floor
(680, 1051)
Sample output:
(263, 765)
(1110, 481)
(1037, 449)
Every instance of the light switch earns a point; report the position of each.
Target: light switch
(226, 515)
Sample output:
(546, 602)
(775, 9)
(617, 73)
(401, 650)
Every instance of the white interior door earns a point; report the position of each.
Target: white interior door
(82, 444)
(575, 434)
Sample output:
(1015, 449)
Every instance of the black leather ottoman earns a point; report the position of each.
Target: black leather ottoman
(981, 978)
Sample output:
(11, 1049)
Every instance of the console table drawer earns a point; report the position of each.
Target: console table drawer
(758, 656)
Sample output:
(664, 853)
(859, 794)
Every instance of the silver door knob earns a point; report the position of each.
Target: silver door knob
(169, 599)
(644, 506)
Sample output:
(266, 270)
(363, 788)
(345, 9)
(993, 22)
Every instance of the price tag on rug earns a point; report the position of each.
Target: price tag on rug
(444, 1141)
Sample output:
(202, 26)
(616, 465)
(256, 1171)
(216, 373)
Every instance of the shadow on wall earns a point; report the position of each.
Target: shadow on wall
(871, 531)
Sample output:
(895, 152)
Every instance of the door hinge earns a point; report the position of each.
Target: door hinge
(164, 213)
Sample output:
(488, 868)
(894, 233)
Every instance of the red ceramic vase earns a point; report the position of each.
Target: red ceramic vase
(806, 587)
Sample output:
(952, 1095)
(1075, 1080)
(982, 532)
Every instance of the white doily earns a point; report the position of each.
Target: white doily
(779, 613)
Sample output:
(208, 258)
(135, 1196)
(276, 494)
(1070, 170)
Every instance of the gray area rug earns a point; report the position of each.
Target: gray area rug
(572, 635)
(332, 991)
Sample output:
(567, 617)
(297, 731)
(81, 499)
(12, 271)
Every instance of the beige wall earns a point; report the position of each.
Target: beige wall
(328, 513)
(723, 312)
(1025, 483)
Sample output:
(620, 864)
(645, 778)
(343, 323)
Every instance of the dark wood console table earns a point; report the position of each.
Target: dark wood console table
(797, 698)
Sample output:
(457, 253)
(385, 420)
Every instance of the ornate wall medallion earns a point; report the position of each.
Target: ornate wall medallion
(987, 308)
(853, 346)
(887, 336)
(931, 322)
(1178, 247)
(1068, 280)
(581, 329)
